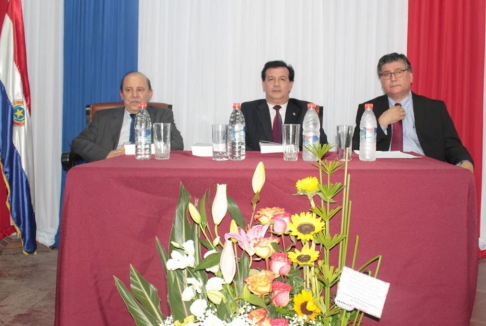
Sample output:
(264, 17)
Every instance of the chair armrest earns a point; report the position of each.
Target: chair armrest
(70, 159)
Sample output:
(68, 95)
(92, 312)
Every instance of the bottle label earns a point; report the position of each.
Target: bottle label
(310, 139)
(148, 136)
(236, 132)
(367, 134)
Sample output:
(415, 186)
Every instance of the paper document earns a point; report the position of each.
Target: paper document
(203, 150)
(357, 290)
(393, 154)
(269, 147)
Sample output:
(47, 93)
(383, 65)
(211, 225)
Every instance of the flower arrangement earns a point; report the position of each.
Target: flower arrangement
(274, 271)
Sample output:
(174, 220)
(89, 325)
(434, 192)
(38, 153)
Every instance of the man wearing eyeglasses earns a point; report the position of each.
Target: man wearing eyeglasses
(409, 122)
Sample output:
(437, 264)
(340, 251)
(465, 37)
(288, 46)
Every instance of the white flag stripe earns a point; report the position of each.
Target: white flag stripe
(22, 135)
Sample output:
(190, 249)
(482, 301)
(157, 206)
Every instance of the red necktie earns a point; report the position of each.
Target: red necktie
(277, 125)
(397, 135)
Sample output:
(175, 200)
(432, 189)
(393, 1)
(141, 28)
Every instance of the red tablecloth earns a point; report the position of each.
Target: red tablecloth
(420, 214)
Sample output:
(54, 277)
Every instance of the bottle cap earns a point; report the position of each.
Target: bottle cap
(311, 106)
(368, 105)
(142, 105)
(236, 105)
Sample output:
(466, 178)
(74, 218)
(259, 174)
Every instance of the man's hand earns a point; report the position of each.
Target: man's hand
(467, 165)
(116, 152)
(392, 115)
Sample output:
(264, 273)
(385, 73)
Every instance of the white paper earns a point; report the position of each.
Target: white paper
(360, 291)
(392, 154)
(203, 150)
(269, 147)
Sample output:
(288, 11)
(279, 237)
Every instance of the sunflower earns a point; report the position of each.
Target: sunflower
(305, 306)
(307, 186)
(305, 225)
(305, 257)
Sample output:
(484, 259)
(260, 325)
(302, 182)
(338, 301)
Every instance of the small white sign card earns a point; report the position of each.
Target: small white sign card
(360, 291)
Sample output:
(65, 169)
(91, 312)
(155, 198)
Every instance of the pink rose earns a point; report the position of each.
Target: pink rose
(280, 263)
(279, 322)
(281, 293)
(281, 223)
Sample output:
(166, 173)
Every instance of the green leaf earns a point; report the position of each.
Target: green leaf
(276, 247)
(251, 298)
(294, 278)
(139, 314)
(202, 210)
(327, 241)
(146, 293)
(322, 212)
(209, 261)
(235, 213)
(243, 272)
(181, 228)
(328, 191)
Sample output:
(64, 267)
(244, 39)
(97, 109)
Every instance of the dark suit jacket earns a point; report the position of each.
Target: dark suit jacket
(102, 135)
(259, 124)
(433, 124)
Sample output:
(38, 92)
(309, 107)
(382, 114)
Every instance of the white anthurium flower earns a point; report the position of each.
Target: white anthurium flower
(215, 284)
(220, 204)
(196, 284)
(215, 268)
(188, 294)
(180, 261)
(189, 247)
(198, 308)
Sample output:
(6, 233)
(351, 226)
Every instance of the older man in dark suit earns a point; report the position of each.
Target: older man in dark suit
(262, 115)
(410, 122)
(106, 136)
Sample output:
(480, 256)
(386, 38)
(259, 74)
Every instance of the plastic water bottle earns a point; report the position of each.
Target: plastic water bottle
(236, 134)
(367, 134)
(143, 133)
(310, 131)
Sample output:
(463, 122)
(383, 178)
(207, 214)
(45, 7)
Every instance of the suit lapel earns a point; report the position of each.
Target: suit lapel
(418, 116)
(116, 125)
(264, 119)
(292, 113)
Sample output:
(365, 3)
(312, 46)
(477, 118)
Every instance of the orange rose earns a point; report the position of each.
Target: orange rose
(259, 317)
(264, 215)
(263, 247)
(260, 283)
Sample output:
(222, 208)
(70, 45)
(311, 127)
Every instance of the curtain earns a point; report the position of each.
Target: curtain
(100, 46)
(446, 48)
(203, 55)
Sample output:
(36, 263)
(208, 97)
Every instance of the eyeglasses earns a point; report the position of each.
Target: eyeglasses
(387, 75)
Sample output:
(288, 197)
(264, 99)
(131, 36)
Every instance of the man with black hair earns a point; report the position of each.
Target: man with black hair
(263, 116)
(409, 122)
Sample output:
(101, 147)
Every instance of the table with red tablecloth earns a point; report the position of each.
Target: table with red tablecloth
(420, 214)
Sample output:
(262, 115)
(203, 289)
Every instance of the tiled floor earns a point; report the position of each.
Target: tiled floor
(28, 287)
